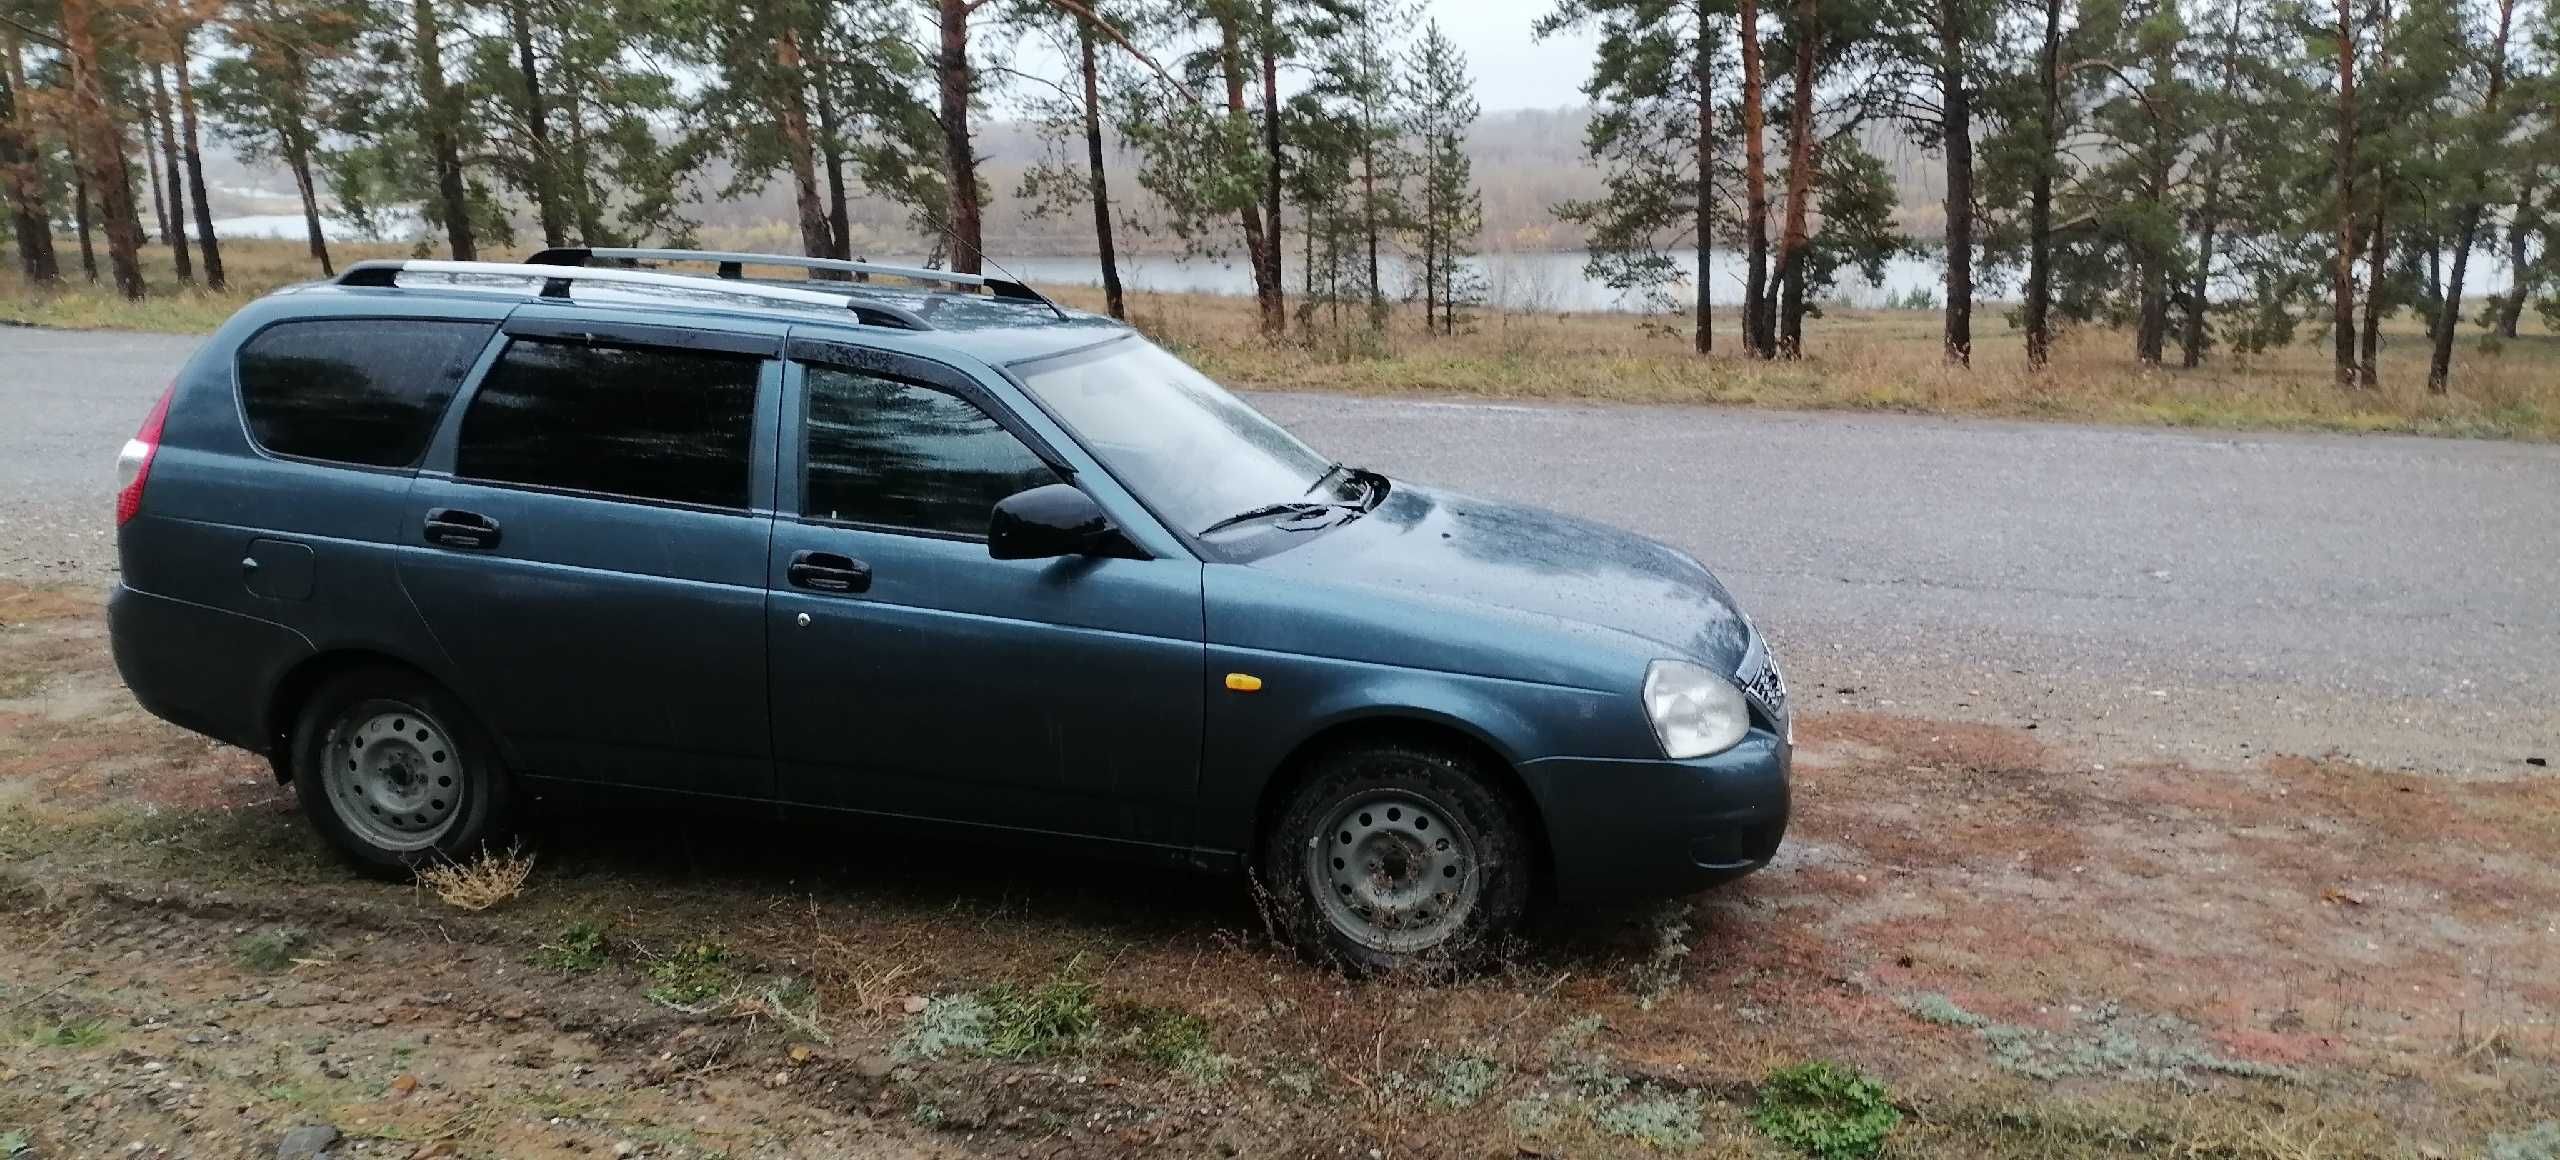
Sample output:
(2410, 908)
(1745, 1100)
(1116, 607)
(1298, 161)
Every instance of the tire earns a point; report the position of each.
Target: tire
(1396, 856)
(396, 774)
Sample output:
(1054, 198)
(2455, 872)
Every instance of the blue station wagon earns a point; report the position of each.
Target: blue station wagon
(440, 537)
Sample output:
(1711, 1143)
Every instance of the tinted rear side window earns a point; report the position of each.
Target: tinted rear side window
(903, 456)
(628, 421)
(365, 391)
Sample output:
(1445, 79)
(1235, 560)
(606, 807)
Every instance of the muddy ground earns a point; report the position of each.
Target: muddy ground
(2035, 952)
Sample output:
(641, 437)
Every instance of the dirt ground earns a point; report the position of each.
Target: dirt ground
(2036, 954)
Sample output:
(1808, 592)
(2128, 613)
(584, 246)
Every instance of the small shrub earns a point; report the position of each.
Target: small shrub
(1054, 1018)
(948, 1023)
(1826, 1111)
(580, 948)
(1460, 1081)
(692, 976)
(1665, 1123)
(14, 1142)
(481, 882)
(1932, 1007)
(269, 951)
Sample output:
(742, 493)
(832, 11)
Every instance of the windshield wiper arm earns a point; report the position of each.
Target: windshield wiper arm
(1338, 468)
(1294, 507)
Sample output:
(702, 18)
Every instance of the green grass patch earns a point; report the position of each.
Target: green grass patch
(578, 949)
(692, 976)
(69, 1034)
(1054, 1018)
(1826, 1110)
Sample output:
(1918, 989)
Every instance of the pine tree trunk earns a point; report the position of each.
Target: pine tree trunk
(80, 220)
(831, 160)
(191, 151)
(102, 152)
(1758, 336)
(173, 216)
(2209, 213)
(2440, 360)
(162, 197)
(1276, 318)
(2039, 304)
(2377, 265)
(952, 74)
(576, 188)
(1955, 103)
(817, 238)
(1706, 195)
(2342, 282)
(443, 144)
(2520, 271)
(32, 219)
(298, 159)
(545, 168)
(1258, 246)
(1800, 164)
(1101, 186)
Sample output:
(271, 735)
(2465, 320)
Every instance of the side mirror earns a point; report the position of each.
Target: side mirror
(1056, 519)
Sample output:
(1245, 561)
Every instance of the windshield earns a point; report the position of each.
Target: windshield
(1190, 449)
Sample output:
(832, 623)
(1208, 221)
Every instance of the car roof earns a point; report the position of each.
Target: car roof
(986, 319)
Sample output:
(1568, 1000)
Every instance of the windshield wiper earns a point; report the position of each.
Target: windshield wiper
(1338, 468)
(1294, 507)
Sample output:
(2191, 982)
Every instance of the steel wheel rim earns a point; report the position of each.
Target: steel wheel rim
(1393, 871)
(394, 775)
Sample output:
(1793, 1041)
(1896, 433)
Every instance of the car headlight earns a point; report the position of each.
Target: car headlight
(1695, 712)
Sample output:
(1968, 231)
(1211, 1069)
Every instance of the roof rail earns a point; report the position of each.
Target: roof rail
(732, 263)
(556, 279)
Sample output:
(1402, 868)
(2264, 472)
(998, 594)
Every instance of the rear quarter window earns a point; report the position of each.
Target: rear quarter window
(365, 391)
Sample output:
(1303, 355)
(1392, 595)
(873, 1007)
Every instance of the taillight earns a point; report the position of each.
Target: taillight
(133, 466)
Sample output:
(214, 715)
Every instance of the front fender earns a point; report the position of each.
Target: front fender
(1252, 736)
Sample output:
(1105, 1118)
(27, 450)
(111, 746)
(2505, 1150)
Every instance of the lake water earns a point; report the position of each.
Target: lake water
(1531, 282)
(1513, 281)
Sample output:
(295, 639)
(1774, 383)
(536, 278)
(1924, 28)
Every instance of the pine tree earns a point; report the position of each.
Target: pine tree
(1441, 107)
(1653, 133)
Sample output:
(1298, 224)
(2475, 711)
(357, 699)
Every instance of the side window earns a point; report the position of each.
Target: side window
(902, 456)
(630, 421)
(365, 391)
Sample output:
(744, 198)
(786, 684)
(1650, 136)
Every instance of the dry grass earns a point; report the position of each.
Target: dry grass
(481, 882)
(1879, 360)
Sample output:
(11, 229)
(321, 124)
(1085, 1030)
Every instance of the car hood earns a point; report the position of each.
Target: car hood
(1451, 548)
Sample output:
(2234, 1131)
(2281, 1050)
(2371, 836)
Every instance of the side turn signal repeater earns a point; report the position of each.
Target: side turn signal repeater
(1244, 682)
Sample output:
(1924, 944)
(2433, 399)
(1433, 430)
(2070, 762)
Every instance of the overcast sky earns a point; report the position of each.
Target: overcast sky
(1513, 69)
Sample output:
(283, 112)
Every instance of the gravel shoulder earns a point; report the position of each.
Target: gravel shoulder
(2037, 954)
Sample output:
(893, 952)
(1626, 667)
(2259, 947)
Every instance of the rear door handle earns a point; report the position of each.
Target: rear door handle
(456, 528)
(829, 572)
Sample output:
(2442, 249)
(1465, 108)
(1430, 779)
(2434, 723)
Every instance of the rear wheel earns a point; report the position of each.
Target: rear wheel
(1394, 855)
(393, 771)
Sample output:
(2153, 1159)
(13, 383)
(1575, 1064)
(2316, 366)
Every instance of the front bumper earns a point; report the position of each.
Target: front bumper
(1621, 828)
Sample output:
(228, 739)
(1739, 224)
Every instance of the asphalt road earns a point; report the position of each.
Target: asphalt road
(2139, 593)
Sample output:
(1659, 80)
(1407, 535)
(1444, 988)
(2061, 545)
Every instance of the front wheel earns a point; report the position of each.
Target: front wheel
(393, 771)
(1392, 856)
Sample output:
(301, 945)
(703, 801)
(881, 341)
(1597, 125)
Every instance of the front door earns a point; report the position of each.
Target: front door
(591, 555)
(913, 675)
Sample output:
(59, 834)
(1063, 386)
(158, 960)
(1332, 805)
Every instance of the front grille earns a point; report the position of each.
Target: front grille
(1762, 682)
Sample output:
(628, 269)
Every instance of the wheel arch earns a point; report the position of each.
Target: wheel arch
(1386, 725)
(294, 688)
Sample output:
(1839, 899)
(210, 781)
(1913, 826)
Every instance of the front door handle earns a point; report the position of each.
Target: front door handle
(829, 572)
(456, 528)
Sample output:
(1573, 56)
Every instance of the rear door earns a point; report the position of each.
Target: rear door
(914, 675)
(588, 547)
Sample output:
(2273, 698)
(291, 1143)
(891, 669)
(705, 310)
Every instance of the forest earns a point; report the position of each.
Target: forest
(2203, 176)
